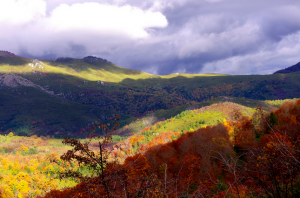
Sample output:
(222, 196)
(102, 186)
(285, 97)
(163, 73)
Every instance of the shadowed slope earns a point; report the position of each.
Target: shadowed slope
(294, 68)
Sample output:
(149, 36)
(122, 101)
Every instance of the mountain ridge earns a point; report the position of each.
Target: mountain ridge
(90, 89)
(294, 68)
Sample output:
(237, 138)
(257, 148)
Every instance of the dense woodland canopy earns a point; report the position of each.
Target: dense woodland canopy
(256, 156)
(40, 91)
(189, 134)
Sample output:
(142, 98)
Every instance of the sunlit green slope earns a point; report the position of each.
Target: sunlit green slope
(66, 95)
(89, 68)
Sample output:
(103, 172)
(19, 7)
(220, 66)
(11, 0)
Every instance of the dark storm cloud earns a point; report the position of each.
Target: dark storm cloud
(277, 27)
(225, 37)
(162, 36)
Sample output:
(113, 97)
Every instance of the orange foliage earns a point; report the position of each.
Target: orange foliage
(204, 164)
(272, 153)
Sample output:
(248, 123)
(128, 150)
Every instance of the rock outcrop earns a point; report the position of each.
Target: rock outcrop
(12, 80)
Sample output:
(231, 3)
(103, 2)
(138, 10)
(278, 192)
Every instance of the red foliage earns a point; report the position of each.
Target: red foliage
(273, 159)
(204, 164)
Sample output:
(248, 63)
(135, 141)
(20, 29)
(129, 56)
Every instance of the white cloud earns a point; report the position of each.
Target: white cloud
(16, 12)
(97, 27)
(106, 19)
(159, 36)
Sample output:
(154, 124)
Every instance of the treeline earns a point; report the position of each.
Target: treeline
(277, 103)
(135, 100)
(250, 157)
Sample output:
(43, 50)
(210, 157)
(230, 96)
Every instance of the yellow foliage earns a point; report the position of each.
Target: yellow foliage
(42, 183)
(16, 166)
(133, 140)
(50, 168)
(5, 164)
(9, 193)
(6, 192)
(37, 141)
(9, 180)
(33, 165)
(122, 154)
(229, 127)
(40, 158)
(23, 148)
(140, 138)
(37, 192)
(52, 157)
(25, 184)
(23, 187)
(24, 176)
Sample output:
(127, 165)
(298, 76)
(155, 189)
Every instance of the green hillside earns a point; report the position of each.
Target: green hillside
(165, 131)
(65, 95)
(148, 120)
(144, 135)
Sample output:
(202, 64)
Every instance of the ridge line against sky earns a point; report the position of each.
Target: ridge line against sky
(158, 36)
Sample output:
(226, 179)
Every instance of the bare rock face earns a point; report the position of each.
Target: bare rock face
(6, 54)
(36, 64)
(12, 80)
(101, 83)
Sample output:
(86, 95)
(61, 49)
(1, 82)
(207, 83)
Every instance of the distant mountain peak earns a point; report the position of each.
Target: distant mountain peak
(62, 59)
(6, 54)
(93, 59)
(291, 69)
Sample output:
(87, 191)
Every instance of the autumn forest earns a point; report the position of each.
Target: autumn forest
(254, 156)
(241, 156)
(91, 129)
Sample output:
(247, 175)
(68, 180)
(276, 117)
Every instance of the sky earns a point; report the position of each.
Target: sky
(237, 37)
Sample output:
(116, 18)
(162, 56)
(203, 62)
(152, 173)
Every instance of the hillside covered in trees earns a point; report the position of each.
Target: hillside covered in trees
(65, 96)
(248, 156)
(133, 134)
(294, 68)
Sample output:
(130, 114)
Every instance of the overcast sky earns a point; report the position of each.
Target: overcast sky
(158, 36)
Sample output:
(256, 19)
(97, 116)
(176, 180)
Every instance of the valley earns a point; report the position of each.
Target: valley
(65, 95)
(161, 133)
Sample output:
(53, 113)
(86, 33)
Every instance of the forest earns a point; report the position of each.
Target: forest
(254, 156)
(103, 90)
(246, 155)
(149, 98)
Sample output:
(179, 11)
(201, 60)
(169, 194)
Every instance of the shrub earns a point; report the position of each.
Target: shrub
(31, 151)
